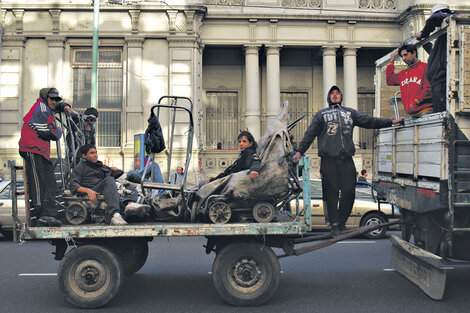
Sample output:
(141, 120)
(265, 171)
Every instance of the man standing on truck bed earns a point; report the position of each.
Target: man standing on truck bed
(35, 148)
(334, 128)
(436, 71)
(414, 85)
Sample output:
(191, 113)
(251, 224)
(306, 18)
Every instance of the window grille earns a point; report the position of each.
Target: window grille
(298, 105)
(110, 88)
(366, 105)
(222, 120)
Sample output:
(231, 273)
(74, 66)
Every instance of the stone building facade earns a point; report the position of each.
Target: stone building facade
(236, 59)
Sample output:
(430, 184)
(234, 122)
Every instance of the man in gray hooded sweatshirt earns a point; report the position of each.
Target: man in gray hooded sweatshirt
(334, 128)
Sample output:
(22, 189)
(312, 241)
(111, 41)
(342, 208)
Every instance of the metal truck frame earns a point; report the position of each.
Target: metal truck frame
(423, 168)
(96, 258)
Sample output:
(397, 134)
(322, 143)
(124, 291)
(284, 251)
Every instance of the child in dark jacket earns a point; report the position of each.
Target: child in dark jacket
(247, 158)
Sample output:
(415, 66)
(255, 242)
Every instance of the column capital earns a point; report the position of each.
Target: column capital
(273, 49)
(13, 41)
(135, 42)
(251, 49)
(329, 50)
(350, 50)
(56, 41)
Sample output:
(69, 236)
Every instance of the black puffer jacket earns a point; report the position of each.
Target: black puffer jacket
(246, 160)
(88, 174)
(334, 128)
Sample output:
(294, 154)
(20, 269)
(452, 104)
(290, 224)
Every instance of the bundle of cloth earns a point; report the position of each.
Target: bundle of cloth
(238, 190)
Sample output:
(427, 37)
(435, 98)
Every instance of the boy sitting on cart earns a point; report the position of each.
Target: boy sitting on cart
(92, 177)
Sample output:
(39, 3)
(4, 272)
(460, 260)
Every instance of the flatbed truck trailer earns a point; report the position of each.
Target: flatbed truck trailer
(95, 259)
(423, 167)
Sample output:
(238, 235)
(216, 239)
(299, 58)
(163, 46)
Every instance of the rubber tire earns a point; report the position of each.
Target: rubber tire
(366, 220)
(8, 234)
(268, 265)
(104, 262)
(134, 256)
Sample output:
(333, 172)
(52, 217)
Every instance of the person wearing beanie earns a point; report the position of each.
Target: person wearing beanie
(334, 128)
(35, 148)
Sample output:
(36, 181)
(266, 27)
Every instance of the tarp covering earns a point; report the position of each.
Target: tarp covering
(238, 189)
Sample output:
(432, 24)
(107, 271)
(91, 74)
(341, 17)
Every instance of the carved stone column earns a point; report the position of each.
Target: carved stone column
(252, 91)
(134, 111)
(55, 65)
(329, 70)
(350, 83)
(12, 97)
(273, 82)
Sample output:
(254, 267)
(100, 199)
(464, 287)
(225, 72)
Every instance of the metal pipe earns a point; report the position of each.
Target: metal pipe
(94, 56)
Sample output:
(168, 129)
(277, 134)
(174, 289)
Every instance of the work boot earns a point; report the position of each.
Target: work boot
(335, 231)
(48, 221)
(136, 209)
(343, 227)
(117, 220)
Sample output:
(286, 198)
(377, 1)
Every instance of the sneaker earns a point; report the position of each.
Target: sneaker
(137, 209)
(48, 221)
(335, 231)
(117, 220)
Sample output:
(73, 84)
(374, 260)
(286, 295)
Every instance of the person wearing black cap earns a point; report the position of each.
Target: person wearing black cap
(38, 130)
(436, 71)
(91, 116)
(334, 128)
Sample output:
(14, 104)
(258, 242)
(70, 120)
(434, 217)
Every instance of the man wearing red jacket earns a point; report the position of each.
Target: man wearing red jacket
(415, 87)
(37, 132)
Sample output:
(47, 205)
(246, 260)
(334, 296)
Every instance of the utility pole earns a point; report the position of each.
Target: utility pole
(94, 55)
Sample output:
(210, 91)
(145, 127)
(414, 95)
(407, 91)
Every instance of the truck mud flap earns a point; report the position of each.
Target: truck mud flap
(423, 268)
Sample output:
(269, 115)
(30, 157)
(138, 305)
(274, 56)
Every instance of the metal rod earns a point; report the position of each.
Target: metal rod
(14, 202)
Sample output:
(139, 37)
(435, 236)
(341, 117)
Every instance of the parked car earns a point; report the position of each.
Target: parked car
(6, 220)
(367, 209)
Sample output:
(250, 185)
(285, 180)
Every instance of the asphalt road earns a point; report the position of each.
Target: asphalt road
(352, 276)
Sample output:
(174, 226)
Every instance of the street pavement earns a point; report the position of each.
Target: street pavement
(351, 276)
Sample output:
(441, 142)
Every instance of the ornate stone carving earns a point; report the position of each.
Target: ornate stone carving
(135, 42)
(56, 41)
(19, 20)
(172, 20)
(225, 2)
(190, 21)
(134, 14)
(378, 4)
(315, 4)
(55, 15)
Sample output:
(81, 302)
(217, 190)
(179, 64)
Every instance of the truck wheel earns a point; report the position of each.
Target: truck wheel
(374, 219)
(246, 273)
(134, 256)
(90, 276)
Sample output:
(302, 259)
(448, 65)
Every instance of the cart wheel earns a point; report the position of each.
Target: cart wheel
(264, 212)
(133, 255)
(76, 213)
(220, 212)
(246, 273)
(90, 276)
